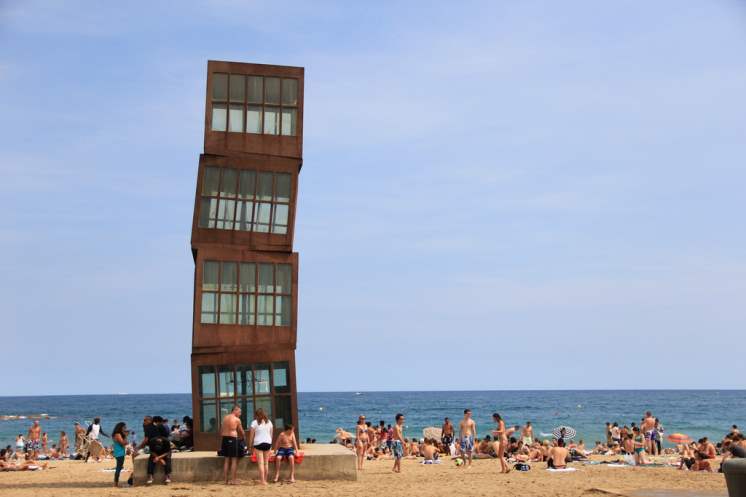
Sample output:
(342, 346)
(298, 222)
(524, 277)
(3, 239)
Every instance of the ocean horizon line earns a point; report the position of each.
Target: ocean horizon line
(408, 391)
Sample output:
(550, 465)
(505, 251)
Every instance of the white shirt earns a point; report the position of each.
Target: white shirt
(262, 432)
(94, 431)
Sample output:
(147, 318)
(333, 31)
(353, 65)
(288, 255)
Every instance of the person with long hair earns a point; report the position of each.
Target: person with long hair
(361, 441)
(261, 439)
(119, 437)
(501, 441)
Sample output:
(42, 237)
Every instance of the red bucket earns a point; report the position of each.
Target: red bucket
(299, 457)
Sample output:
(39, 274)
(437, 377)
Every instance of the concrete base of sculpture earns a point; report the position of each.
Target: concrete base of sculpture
(320, 462)
(735, 476)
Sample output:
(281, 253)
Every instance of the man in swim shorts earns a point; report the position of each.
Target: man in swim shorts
(233, 444)
(467, 432)
(397, 444)
(446, 436)
(33, 441)
(648, 429)
(527, 434)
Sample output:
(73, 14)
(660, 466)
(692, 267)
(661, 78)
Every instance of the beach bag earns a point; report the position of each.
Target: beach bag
(521, 466)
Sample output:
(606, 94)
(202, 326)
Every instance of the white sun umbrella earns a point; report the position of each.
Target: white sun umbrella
(432, 432)
(569, 432)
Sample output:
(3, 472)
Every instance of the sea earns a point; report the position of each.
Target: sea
(697, 413)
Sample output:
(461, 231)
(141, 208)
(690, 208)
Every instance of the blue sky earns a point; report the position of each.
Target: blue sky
(494, 194)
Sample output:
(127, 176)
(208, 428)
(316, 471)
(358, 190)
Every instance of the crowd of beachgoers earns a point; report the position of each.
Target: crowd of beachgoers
(514, 447)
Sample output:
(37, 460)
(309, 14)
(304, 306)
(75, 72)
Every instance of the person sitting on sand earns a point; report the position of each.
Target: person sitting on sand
(701, 462)
(484, 447)
(414, 448)
(285, 448)
(535, 453)
(707, 448)
(558, 456)
(628, 445)
(430, 451)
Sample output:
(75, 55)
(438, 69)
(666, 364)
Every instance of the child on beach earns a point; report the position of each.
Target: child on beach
(285, 448)
(397, 445)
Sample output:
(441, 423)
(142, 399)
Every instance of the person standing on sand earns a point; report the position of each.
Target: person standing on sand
(79, 436)
(397, 443)
(527, 434)
(501, 441)
(119, 439)
(261, 440)
(232, 445)
(446, 435)
(647, 428)
(467, 433)
(33, 441)
(64, 445)
(361, 441)
(609, 440)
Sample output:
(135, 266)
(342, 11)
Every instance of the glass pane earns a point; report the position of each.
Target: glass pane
(226, 406)
(266, 278)
(243, 216)
(210, 275)
(209, 421)
(247, 411)
(229, 277)
(282, 310)
(271, 121)
(247, 310)
(272, 90)
(219, 86)
(288, 121)
(283, 278)
(219, 117)
(228, 183)
(280, 222)
(248, 277)
(238, 87)
(211, 181)
(246, 184)
(265, 403)
(254, 120)
(255, 89)
(245, 381)
(280, 377)
(209, 308)
(227, 382)
(261, 217)
(289, 91)
(207, 381)
(236, 119)
(265, 310)
(228, 308)
(206, 212)
(265, 186)
(282, 187)
(282, 411)
(261, 379)
(226, 213)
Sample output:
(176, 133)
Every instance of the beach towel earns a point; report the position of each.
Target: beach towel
(563, 470)
(437, 461)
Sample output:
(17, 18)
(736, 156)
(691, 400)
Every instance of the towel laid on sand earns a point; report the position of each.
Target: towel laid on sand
(563, 470)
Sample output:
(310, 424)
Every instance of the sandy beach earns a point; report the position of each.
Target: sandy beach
(75, 479)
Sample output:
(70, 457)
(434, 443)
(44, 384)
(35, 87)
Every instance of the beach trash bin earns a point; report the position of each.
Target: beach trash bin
(734, 470)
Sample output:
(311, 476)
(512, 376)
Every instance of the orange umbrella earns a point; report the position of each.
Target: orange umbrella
(679, 438)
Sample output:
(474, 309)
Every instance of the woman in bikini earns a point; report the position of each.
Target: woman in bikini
(361, 441)
(639, 445)
(501, 441)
